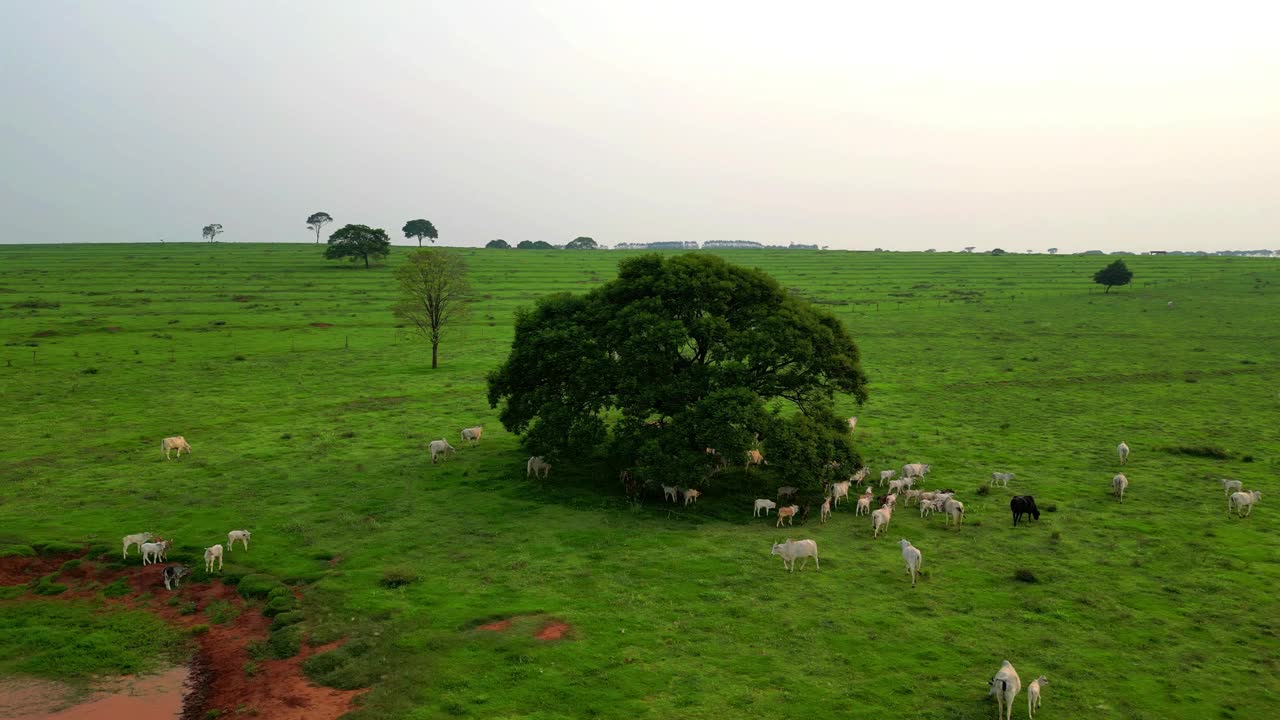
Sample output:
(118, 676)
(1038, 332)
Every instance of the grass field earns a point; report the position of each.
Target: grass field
(308, 411)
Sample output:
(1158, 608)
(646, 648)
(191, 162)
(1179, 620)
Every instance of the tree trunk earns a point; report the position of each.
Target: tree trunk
(419, 241)
(435, 346)
(317, 236)
(366, 262)
(1108, 290)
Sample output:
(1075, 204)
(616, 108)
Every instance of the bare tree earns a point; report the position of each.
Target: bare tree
(433, 293)
(315, 221)
(212, 231)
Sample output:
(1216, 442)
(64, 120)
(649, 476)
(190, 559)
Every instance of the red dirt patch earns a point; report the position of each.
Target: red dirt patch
(322, 325)
(499, 626)
(277, 691)
(554, 630)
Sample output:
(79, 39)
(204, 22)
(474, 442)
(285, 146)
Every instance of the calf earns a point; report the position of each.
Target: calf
(886, 476)
(472, 434)
(1023, 505)
(154, 552)
(210, 555)
(1000, 478)
(880, 520)
(136, 539)
(439, 448)
(1118, 485)
(787, 513)
(787, 491)
(173, 574)
(1123, 451)
(826, 511)
(691, 496)
(1033, 690)
(537, 467)
(177, 442)
(864, 504)
(669, 492)
(766, 505)
(754, 457)
(234, 535)
(792, 549)
(840, 490)
(1230, 486)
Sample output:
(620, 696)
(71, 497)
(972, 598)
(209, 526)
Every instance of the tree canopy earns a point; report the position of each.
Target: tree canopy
(420, 229)
(433, 293)
(315, 221)
(211, 231)
(358, 242)
(498, 244)
(1117, 273)
(535, 245)
(674, 356)
(581, 243)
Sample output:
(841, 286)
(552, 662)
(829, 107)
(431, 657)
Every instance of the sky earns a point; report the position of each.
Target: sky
(1117, 125)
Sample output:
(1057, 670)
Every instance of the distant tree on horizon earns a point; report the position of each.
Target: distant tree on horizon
(358, 242)
(211, 231)
(315, 221)
(998, 251)
(535, 245)
(498, 244)
(970, 249)
(420, 229)
(1053, 251)
(582, 243)
(1115, 274)
(433, 292)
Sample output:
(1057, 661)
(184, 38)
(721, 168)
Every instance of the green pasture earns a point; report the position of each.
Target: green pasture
(309, 410)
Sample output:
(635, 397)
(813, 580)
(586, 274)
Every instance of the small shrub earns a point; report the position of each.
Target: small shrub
(1024, 575)
(187, 608)
(250, 668)
(60, 548)
(349, 434)
(89, 371)
(1051, 508)
(35, 304)
(286, 436)
(285, 642)
(198, 629)
(119, 588)
(218, 323)
(1246, 458)
(17, 551)
(69, 565)
(398, 577)
(278, 605)
(285, 619)
(257, 585)
(984, 489)
(238, 358)
(46, 585)
(1206, 451)
(213, 715)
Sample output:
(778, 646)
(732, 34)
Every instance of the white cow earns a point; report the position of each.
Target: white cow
(861, 475)
(669, 492)
(537, 467)
(177, 442)
(912, 557)
(886, 475)
(764, 504)
(691, 496)
(439, 448)
(136, 539)
(1001, 478)
(1242, 500)
(954, 510)
(1230, 486)
(915, 470)
(864, 504)
(1033, 690)
(792, 549)
(472, 434)
(1005, 686)
(880, 520)
(234, 535)
(154, 552)
(210, 555)
(1123, 451)
(787, 491)
(1118, 485)
(840, 490)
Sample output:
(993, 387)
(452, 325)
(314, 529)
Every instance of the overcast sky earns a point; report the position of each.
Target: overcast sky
(1108, 125)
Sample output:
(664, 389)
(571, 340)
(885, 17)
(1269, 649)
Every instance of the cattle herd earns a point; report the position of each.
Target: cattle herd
(1006, 684)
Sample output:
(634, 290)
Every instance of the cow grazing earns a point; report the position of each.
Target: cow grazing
(915, 470)
(472, 435)
(954, 510)
(787, 513)
(1000, 478)
(826, 511)
(234, 535)
(1118, 485)
(912, 557)
(537, 467)
(787, 491)
(880, 520)
(1021, 505)
(1230, 486)
(691, 496)
(1005, 686)
(210, 555)
(1243, 502)
(1033, 690)
(173, 574)
(792, 549)
(840, 490)
(754, 457)
(136, 539)
(154, 552)
(177, 442)
(439, 448)
(766, 505)
(886, 476)
(1123, 451)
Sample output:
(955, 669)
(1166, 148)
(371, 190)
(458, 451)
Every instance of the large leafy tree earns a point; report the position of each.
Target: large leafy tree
(498, 244)
(582, 243)
(358, 242)
(433, 293)
(315, 221)
(420, 229)
(676, 355)
(534, 245)
(1117, 273)
(211, 231)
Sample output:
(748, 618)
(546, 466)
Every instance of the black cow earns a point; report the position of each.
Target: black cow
(1024, 505)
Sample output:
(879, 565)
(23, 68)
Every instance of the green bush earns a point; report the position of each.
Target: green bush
(285, 642)
(17, 551)
(46, 585)
(398, 577)
(257, 585)
(61, 548)
(119, 588)
(69, 565)
(285, 619)
(280, 604)
(345, 668)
